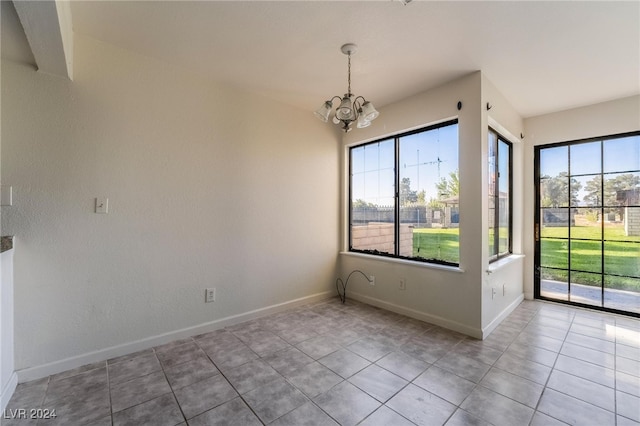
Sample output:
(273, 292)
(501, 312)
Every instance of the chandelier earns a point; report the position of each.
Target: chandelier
(351, 108)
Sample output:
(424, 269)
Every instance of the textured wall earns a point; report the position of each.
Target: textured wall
(7, 361)
(197, 177)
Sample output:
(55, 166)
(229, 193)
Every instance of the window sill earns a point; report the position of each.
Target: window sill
(499, 264)
(403, 261)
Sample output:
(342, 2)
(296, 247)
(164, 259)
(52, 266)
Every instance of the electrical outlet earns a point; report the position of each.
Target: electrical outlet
(402, 284)
(372, 280)
(210, 295)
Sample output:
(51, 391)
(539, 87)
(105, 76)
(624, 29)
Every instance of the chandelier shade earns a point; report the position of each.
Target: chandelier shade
(352, 108)
(370, 113)
(345, 109)
(362, 122)
(323, 112)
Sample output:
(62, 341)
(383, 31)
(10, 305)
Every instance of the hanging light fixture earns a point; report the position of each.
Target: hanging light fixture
(351, 109)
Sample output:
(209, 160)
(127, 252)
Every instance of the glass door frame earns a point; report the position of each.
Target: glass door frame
(537, 227)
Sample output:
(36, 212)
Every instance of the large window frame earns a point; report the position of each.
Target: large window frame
(395, 252)
(497, 213)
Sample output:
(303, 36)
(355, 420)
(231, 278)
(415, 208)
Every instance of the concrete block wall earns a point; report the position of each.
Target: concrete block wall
(632, 221)
(380, 236)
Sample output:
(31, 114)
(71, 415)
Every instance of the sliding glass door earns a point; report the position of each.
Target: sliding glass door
(587, 228)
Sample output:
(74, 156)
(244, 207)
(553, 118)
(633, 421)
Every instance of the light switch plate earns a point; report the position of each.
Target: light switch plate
(6, 195)
(102, 205)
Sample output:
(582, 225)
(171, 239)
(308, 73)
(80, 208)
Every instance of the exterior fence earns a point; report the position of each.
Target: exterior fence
(567, 217)
(373, 227)
(419, 216)
(380, 236)
(558, 216)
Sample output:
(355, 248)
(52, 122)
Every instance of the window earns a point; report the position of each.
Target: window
(499, 196)
(403, 194)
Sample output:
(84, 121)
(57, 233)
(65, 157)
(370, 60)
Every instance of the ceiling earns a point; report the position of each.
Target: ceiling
(543, 56)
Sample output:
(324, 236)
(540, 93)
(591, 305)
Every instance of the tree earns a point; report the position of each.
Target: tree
(609, 193)
(593, 188)
(435, 204)
(554, 191)
(449, 187)
(361, 204)
(619, 183)
(593, 198)
(406, 194)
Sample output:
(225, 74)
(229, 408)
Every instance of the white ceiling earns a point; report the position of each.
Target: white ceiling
(543, 56)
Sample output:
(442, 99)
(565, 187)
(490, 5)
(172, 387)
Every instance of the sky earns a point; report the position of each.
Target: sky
(620, 155)
(428, 156)
(585, 160)
(424, 158)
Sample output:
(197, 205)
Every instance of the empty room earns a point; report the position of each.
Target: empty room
(320, 213)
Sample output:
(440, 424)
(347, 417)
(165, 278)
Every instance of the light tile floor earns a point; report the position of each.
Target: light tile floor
(328, 363)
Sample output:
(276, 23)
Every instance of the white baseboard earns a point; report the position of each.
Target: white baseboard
(38, 372)
(8, 390)
(505, 313)
(419, 315)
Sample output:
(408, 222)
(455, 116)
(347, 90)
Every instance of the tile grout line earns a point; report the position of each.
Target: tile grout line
(135, 378)
(477, 385)
(352, 384)
(231, 384)
(537, 314)
(504, 352)
(259, 358)
(305, 395)
(184, 417)
(615, 409)
(571, 396)
(341, 347)
(552, 369)
(109, 391)
(615, 369)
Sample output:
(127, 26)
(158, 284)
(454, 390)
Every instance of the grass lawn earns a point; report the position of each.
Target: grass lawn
(437, 243)
(587, 232)
(620, 257)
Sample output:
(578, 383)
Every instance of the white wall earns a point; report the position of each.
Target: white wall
(8, 378)
(445, 296)
(502, 286)
(603, 119)
(7, 375)
(207, 186)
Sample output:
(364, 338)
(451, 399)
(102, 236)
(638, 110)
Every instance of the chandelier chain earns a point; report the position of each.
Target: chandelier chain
(349, 75)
